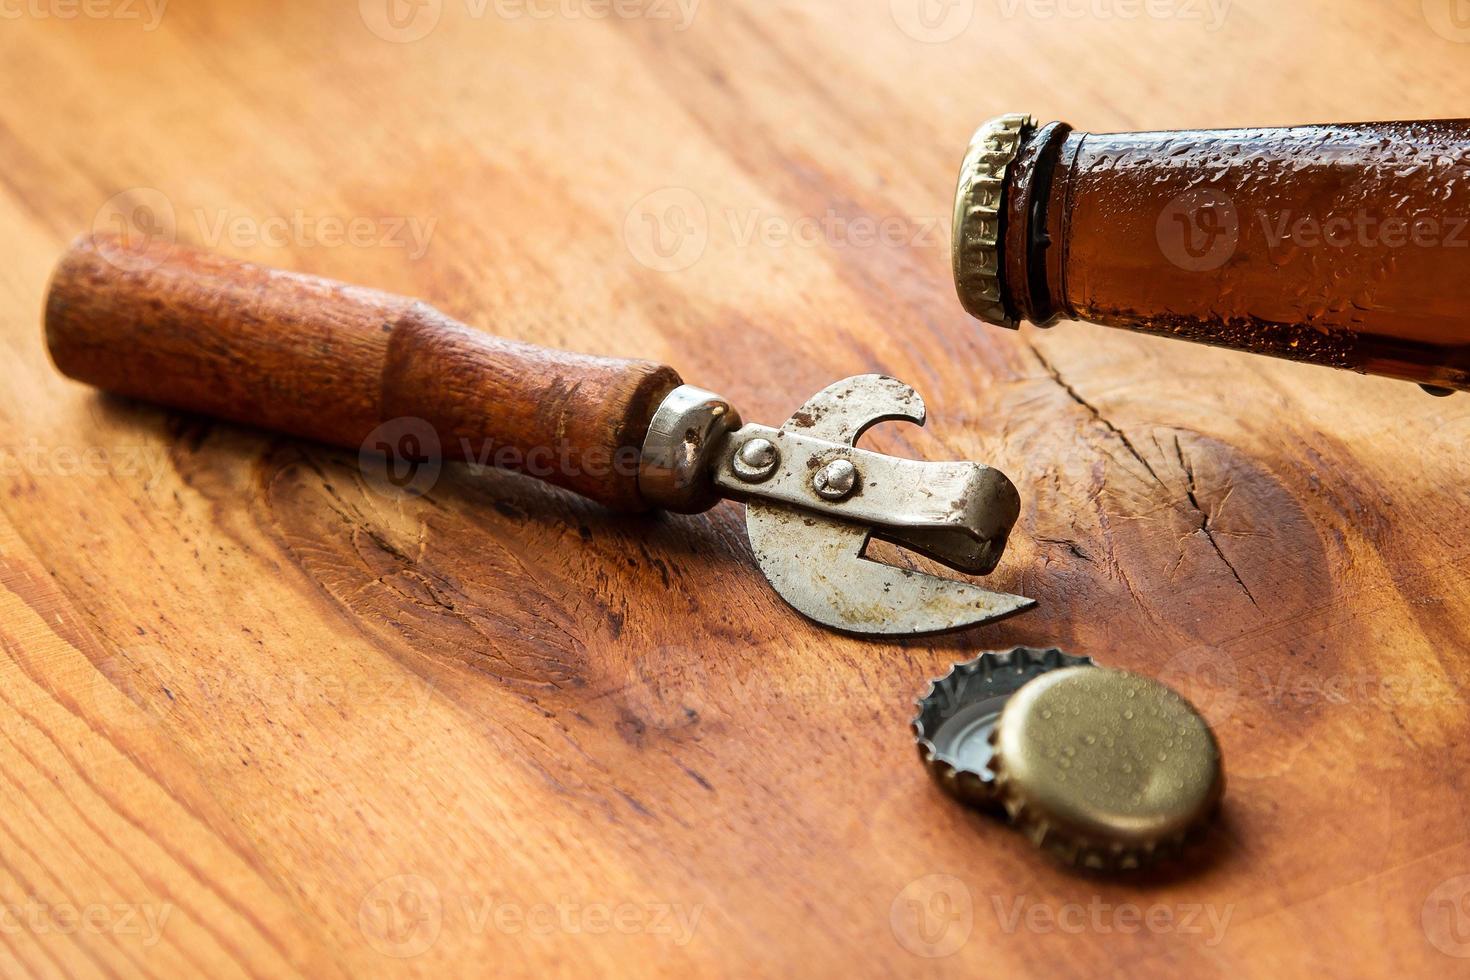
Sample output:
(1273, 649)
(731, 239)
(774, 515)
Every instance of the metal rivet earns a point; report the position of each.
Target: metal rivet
(836, 480)
(756, 461)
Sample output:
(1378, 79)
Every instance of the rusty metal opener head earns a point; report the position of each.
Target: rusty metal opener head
(814, 500)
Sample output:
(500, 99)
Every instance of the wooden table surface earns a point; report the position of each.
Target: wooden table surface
(259, 717)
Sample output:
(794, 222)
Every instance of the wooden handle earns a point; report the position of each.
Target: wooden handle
(333, 362)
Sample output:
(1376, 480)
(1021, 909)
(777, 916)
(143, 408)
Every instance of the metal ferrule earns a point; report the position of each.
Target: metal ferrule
(678, 459)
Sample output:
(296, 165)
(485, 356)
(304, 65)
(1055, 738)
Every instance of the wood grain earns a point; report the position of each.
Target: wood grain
(342, 732)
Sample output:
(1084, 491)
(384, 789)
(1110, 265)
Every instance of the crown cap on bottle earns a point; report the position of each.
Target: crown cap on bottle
(978, 206)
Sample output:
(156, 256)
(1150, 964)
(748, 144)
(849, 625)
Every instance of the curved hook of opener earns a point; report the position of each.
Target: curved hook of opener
(958, 513)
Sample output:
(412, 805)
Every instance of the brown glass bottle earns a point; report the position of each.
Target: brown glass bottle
(1344, 245)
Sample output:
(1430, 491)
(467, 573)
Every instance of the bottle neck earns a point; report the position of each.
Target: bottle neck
(1340, 245)
(1034, 241)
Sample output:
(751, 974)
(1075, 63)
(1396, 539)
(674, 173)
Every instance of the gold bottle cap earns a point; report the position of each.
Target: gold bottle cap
(1105, 769)
(979, 201)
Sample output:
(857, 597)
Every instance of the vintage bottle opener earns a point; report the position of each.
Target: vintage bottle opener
(334, 362)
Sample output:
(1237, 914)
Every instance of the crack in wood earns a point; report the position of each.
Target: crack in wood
(1113, 429)
(1204, 527)
(1093, 410)
(1072, 546)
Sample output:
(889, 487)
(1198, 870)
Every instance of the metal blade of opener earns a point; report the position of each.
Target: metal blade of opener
(817, 563)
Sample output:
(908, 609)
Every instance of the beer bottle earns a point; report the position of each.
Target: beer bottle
(1343, 245)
